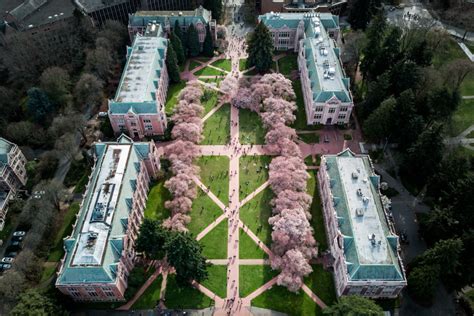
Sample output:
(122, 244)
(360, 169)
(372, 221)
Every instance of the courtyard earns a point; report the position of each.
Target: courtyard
(246, 193)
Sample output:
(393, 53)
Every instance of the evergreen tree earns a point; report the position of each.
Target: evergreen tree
(445, 253)
(215, 6)
(422, 282)
(151, 239)
(361, 12)
(177, 30)
(425, 155)
(208, 46)
(194, 47)
(172, 65)
(260, 49)
(375, 35)
(185, 255)
(378, 125)
(178, 47)
(354, 306)
(39, 105)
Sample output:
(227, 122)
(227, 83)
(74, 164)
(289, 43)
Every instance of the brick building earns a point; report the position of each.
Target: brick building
(362, 240)
(12, 175)
(99, 254)
(138, 108)
(326, 88)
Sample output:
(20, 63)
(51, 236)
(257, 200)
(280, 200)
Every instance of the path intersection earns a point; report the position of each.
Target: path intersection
(233, 304)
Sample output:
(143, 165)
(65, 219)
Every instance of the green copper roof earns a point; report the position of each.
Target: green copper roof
(322, 56)
(142, 18)
(97, 261)
(364, 260)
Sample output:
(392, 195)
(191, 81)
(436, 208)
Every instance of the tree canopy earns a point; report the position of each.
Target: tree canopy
(192, 41)
(172, 65)
(208, 45)
(260, 49)
(354, 306)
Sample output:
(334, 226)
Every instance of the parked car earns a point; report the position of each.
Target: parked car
(12, 254)
(17, 238)
(15, 245)
(19, 233)
(7, 260)
(5, 266)
(102, 114)
(326, 139)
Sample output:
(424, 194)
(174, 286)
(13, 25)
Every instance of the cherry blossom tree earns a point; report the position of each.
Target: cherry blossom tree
(244, 99)
(189, 132)
(229, 85)
(287, 173)
(281, 86)
(177, 222)
(192, 93)
(294, 267)
(288, 199)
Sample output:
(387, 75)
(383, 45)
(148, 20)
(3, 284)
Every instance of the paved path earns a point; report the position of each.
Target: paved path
(139, 293)
(232, 304)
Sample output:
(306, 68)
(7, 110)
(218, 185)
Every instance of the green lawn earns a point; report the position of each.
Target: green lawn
(447, 51)
(155, 205)
(300, 122)
(279, 299)
(217, 281)
(242, 64)
(462, 118)
(193, 65)
(203, 212)
(151, 296)
(312, 138)
(47, 273)
(467, 86)
(217, 127)
(253, 277)
(172, 96)
(224, 64)
(215, 175)
(209, 100)
(253, 173)
(317, 220)
(251, 128)
(248, 249)
(138, 276)
(215, 242)
(470, 135)
(255, 214)
(321, 282)
(185, 297)
(287, 64)
(57, 251)
(209, 71)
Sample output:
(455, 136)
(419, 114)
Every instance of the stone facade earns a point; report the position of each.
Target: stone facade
(200, 18)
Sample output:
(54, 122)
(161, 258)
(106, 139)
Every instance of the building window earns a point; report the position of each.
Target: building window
(318, 109)
(108, 291)
(121, 120)
(146, 121)
(91, 291)
(341, 116)
(285, 34)
(332, 110)
(343, 109)
(340, 123)
(148, 127)
(74, 292)
(121, 127)
(317, 116)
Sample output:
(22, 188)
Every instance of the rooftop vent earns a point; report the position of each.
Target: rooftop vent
(359, 212)
(180, 13)
(355, 175)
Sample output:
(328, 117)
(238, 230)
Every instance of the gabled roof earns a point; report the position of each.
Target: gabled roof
(142, 18)
(325, 72)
